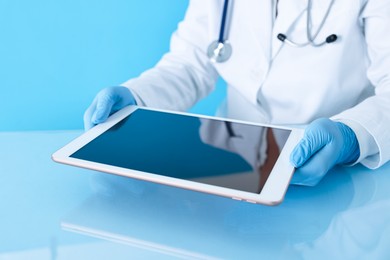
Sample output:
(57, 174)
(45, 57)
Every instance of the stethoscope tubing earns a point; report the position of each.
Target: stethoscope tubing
(220, 50)
(223, 22)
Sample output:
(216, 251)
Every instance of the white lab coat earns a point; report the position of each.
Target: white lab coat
(268, 81)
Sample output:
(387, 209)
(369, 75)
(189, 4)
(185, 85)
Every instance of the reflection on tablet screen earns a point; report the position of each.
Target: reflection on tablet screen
(227, 154)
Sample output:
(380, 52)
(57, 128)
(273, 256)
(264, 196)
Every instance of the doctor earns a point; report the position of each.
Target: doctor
(324, 64)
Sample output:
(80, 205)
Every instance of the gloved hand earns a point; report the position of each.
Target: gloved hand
(107, 102)
(325, 144)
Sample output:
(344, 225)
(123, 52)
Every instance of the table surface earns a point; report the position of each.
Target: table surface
(54, 211)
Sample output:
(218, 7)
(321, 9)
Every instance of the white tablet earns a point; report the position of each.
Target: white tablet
(230, 158)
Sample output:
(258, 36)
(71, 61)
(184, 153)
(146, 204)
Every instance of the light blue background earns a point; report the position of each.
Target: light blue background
(56, 55)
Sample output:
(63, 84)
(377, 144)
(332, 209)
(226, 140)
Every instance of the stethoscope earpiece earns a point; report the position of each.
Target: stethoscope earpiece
(331, 38)
(282, 37)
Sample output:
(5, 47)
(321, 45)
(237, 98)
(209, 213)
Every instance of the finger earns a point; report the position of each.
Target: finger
(88, 116)
(103, 109)
(312, 172)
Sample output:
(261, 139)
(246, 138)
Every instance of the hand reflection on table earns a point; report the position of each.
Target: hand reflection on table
(362, 231)
(359, 233)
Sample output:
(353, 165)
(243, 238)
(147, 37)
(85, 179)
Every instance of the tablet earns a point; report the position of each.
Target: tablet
(236, 159)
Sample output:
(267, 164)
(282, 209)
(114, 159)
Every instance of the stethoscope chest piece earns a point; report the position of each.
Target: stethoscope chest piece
(219, 51)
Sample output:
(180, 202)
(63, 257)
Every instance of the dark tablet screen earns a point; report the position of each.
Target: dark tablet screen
(210, 151)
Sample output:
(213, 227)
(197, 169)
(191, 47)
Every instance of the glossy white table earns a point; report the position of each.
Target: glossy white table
(53, 211)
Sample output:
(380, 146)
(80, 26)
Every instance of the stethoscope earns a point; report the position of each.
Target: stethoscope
(221, 50)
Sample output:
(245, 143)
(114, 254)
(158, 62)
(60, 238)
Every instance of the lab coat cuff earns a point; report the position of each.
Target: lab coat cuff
(369, 150)
(136, 96)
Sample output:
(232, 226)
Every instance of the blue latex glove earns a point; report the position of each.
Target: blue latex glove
(325, 144)
(107, 102)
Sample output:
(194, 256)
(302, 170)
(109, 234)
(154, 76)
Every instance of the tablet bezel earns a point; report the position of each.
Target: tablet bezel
(272, 193)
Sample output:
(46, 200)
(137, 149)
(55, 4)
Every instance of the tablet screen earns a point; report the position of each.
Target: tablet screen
(210, 151)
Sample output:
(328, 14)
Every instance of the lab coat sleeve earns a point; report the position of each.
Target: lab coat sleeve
(184, 75)
(370, 119)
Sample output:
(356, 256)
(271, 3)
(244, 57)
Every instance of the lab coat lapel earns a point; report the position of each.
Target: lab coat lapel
(260, 18)
(289, 12)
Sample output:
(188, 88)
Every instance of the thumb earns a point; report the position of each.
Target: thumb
(103, 108)
(313, 141)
